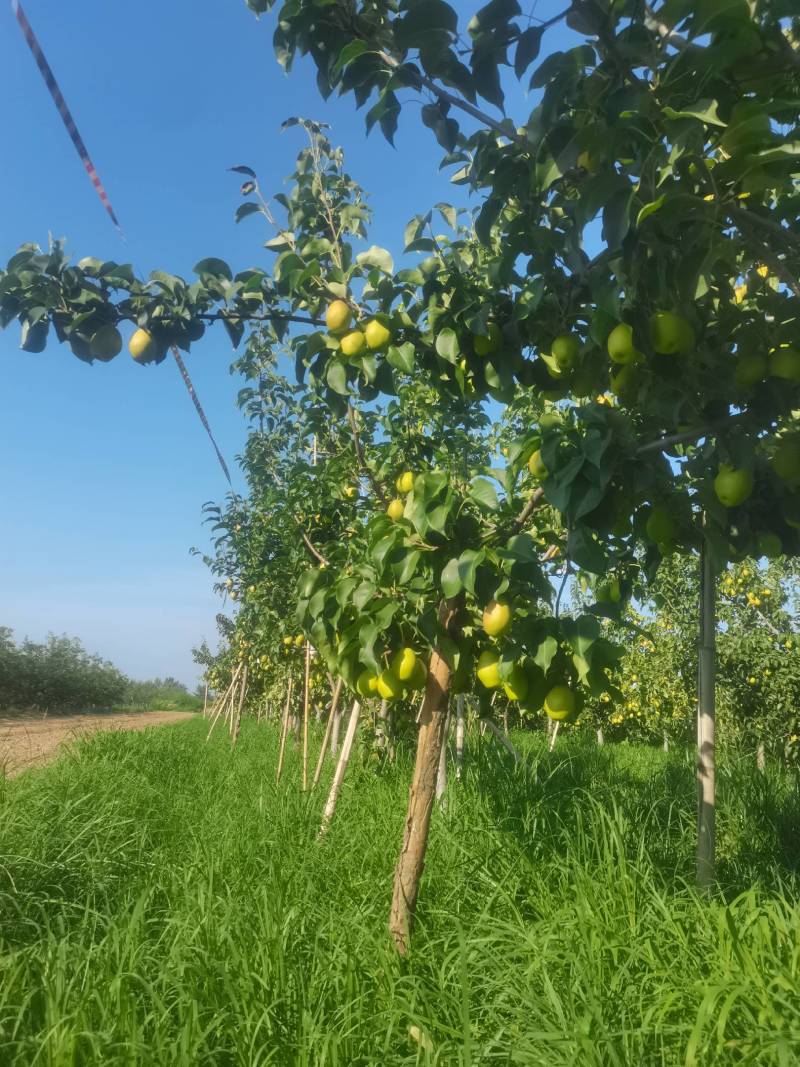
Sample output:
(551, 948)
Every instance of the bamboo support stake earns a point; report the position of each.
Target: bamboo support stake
(305, 708)
(284, 730)
(495, 731)
(553, 736)
(706, 764)
(341, 767)
(221, 702)
(337, 722)
(460, 732)
(441, 777)
(337, 690)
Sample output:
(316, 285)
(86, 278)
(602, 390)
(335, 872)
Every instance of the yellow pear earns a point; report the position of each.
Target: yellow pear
(496, 618)
(489, 669)
(560, 703)
(338, 316)
(395, 509)
(353, 343)
(142, 346)
(377, 335)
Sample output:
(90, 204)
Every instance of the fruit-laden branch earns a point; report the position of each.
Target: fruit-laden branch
(376, 487)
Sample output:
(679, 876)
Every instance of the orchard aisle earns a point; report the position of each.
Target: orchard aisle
(29, 740)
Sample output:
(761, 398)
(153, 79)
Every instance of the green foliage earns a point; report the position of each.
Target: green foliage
(56, 675)
(160, 694)
(758, 666)
(204, 922)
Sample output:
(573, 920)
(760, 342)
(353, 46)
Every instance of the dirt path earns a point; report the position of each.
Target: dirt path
(30, 740)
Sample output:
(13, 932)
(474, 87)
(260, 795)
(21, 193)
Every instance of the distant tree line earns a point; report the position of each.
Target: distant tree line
(58, 674)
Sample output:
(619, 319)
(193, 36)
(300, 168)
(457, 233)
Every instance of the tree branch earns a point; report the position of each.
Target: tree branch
(377, 488)
(314, 551)
(529, 508)
(272, 315)
(688, 435)
(423, 81)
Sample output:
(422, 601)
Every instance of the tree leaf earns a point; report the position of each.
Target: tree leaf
(402, 357)
(483, 492)
(703, 111)
(217, 268)
(376, 257)
(650, 209)
(336, 377)
(447, 345)
(243, 210)
(528, 45)
(451, 578)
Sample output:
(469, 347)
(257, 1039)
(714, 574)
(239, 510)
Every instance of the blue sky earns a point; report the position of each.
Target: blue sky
(105, 468)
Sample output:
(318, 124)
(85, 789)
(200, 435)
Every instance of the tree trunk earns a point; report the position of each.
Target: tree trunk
(305, 716)
(238, 722)
(411, 861)
(553, 736)
(460, 730)
(441, 776)
(205, 700)
(284, 730)
(665, 745)
(706, 769)
(495, 731)
(341, 767)
(761, 757)
(337, 689)
(601, 740)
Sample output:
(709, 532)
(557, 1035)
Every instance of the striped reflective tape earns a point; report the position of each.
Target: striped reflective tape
(199, 409)
(86, 159)
(63, 110)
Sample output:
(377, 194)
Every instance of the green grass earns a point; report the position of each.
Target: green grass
(162, 903)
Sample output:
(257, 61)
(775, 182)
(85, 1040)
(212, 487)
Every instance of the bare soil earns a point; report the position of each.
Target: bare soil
(30, 740)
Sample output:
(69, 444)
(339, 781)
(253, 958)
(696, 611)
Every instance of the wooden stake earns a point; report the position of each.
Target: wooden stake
(553, 736)
(328, 729)
(706, 706)
(341, 767)
(284, 730)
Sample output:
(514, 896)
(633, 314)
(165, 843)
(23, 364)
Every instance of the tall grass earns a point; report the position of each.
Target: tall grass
(163, 902)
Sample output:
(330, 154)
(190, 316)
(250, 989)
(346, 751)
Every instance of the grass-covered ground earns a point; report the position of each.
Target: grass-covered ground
(162, 903)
